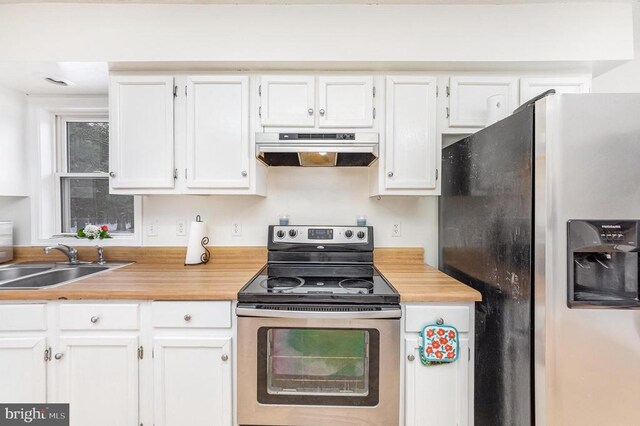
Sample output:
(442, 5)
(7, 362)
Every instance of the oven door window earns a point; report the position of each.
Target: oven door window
(318, 366)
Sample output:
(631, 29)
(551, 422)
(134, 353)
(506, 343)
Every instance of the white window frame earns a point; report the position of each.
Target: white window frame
(62, 151)
(45, 146)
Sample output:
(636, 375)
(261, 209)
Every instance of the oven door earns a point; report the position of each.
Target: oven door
(318, 369)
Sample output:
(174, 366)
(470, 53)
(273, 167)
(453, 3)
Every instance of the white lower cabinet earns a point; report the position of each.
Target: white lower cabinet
(24, 371)
(192, 381)
(98, 376)
(440, 394)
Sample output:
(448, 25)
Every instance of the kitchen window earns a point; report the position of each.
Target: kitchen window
(82, 179)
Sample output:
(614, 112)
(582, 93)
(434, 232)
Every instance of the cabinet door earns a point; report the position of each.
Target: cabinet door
(532, 87)
(141, 132)
(98, 377)
(411, 147)
(287, 101)
(192, 381)
(345, 101)
(217, 132)
(24, 369)
(438, 394)
(468, 98)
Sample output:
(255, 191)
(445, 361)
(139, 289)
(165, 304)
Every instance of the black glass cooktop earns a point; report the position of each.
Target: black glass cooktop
(318, 284)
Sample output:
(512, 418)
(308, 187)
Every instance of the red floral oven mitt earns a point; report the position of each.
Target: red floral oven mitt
(439, 344)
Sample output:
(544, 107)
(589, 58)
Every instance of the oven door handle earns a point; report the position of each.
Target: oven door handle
(275, 313)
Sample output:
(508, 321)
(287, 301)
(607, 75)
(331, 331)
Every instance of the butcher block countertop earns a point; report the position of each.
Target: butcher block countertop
(159, 274)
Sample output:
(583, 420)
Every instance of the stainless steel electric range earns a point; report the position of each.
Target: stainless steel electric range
(318, 333)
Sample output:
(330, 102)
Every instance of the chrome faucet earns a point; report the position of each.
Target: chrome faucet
(70, 252)
(101, 260)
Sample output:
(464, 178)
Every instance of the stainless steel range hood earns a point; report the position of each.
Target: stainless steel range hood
(317, 149)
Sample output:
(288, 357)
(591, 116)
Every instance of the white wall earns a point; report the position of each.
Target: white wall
(311, 196)
(625, 78)
(346, 33)
(13, 110)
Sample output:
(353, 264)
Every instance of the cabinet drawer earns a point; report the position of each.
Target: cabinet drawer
(417, 316)
(103, 316)
(191, 314)
(23, 317)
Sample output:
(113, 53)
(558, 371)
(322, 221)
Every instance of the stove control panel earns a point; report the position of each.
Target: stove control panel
(321, 234)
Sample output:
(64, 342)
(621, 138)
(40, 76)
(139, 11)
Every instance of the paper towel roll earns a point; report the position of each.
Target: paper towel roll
(195, 249)
(496, 109)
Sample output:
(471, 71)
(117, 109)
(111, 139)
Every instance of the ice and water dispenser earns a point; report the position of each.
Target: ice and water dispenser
(603, 263)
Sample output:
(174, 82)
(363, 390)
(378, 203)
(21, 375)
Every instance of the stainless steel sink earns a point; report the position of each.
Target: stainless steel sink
(35, 276)
(11, 273)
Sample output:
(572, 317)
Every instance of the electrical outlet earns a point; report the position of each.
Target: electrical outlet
(152, 228)
(181, 227)
(236, 229)
(396, 230)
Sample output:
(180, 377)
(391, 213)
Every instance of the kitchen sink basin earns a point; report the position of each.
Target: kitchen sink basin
(35, 276)
(12, 273)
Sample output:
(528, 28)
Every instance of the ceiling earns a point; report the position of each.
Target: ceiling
(318, 1)
(84, 78)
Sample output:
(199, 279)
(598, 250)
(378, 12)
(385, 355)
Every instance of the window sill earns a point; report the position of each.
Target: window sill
(116, 240)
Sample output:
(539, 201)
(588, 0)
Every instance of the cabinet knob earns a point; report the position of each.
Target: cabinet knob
(411, 357)
(390, 174)
(95, 319)
(440, 321)
(321, 112)
(58, 355)
(244, 173)
(112, 174)
(224, 357)
(310, 111)
(187, 317)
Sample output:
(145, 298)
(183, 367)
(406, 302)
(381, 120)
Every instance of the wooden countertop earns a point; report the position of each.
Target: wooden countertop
(159, 274)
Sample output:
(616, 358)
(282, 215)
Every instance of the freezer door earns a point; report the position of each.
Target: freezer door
(485, 239)
(592, 354)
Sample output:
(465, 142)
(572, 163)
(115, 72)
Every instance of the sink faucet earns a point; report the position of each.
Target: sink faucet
(101, 260)
(70, 252)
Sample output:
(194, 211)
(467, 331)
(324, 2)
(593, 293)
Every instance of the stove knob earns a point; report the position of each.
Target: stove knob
(348, 233)
(293, 233)
(361, 235)
(280, 234)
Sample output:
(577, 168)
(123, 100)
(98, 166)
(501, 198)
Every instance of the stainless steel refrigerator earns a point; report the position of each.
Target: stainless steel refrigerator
(539, 213)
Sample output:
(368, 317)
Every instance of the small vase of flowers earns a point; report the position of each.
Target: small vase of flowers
(93, 232)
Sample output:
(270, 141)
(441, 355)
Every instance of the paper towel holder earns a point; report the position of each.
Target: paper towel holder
(204, 258)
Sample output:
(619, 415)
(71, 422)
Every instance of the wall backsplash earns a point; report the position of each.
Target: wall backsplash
(309, 196)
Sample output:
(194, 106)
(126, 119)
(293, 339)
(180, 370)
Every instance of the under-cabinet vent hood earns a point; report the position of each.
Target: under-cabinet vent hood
(317, 149)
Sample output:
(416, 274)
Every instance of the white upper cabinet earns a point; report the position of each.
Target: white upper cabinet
(468, 98)
(345, 101)
(287, 101)
(532, 87)
(141, 132)
(217, 132)
(411, 151)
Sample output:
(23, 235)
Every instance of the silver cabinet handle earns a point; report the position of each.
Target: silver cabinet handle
(390, 174)
(321, 112)
(187, 317)
(411, 357)
(224, 357)
(58, 355)
(310, 111)
(95, 319)
(440, 321)
(244, 173)
(112, 174)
